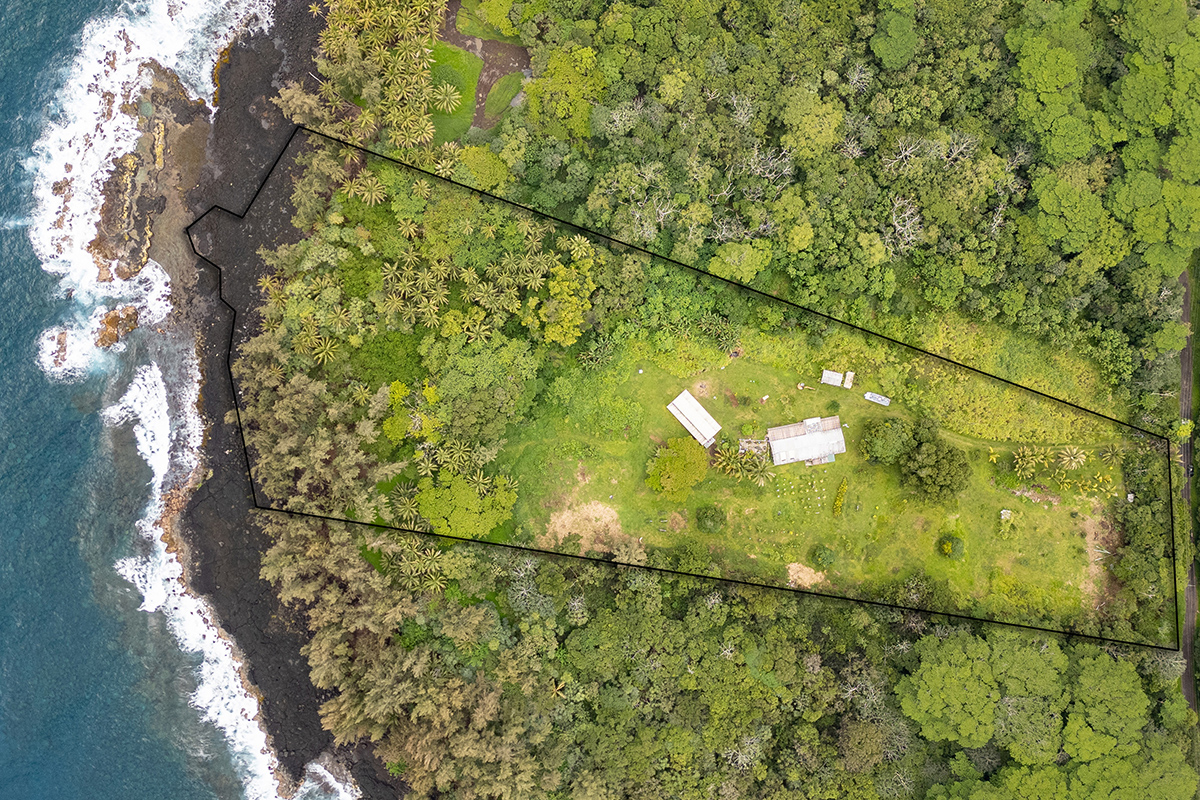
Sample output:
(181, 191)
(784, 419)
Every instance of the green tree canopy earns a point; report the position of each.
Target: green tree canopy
(676, 468)
(952, 695)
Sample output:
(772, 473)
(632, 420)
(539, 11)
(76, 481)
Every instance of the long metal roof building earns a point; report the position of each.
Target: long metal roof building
(815, 440)
(691, 415)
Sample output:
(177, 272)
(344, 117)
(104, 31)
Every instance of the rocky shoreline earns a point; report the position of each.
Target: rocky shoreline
(184, 164)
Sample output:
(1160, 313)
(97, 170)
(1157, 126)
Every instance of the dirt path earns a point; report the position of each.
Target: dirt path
(1185, 404)
(499, 59)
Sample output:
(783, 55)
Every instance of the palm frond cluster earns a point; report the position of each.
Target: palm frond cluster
(375, 58)
(755, 467)
(412, 564)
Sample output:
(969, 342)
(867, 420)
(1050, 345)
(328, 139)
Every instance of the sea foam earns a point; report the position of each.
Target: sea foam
(84, 135)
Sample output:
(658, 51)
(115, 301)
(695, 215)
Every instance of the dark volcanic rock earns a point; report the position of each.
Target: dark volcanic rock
(223, 543)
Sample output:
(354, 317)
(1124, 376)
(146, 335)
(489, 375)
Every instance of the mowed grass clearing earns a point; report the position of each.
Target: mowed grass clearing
(885, 532)
(502, 93)
(462, 69)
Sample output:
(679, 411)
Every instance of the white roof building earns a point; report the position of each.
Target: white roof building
(878, 398)
(814, 440)
(849, 380)
(830, 377)
(691, 415)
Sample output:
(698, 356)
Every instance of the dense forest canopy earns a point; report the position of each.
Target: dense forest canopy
(1024, 169)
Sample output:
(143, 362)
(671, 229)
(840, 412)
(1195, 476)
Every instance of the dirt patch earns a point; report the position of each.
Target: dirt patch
(1038, 496)
(800, 576)
(499, 59)
(676, 521)
(701, 390)
(581, 475)
(1099, 587)
(596, 524)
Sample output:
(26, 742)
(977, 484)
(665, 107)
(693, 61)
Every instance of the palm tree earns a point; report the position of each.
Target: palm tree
(392, 303)
(406, 508)
(445, 167)
(339, 320)
(421, 188)
(425, 130)
(372, 191)
(390, 271)
(425, 465)
(526, 226)
(410, 257)
(324, 349)
(456, 454)
(479, 482)
(426, 280)
(758, 469)
(439, 295)
(407, 228)
(476, 329)
(445, 98)
(428, 313)
(1112, 455)
(1072, 457)
(726, 458)
(433, 582)
(360, 394)
(579, 246)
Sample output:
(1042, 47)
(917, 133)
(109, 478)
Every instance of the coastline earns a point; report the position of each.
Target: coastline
(115, 219)
(213, 530)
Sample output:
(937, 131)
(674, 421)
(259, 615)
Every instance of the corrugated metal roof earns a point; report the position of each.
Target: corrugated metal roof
(699, 423)
(804, 441)
(830, 377)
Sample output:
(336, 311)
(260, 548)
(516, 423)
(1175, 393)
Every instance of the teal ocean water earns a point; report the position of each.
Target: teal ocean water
(112, 682)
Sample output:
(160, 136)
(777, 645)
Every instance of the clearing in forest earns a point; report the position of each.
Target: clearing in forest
(485, 372)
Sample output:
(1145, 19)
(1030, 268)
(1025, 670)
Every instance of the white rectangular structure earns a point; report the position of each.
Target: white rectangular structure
(878, 398)
(691, 415)
(814, 440)
(849, 380)
(830, 377)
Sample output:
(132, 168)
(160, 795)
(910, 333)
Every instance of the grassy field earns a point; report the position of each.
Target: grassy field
(457, 66)
(594, 487)
(502, 93)
(469, 23)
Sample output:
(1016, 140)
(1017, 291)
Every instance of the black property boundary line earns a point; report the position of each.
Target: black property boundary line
(662, 570)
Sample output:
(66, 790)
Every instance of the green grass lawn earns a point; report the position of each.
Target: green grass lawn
(469, 23)
(502, 93)
(457, 66)
(885, 532)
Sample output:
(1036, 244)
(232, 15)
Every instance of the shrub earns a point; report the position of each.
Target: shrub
(951, 547)
(832, 407)
(822, 556)
(886, 441)
(840, 498)
(676, 468)
(710, 519)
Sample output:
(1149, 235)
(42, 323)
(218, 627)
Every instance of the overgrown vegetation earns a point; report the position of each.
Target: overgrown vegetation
(1004, 181)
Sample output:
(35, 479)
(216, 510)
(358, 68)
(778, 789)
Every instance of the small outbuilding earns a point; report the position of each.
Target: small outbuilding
(878, 398)
(849, 380)
(691, 415)
(815, 441)
(830, 377)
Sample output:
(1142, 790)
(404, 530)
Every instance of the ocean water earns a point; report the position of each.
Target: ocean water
(113, 681)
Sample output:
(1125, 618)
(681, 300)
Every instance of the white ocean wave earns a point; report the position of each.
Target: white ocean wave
(87, 132)
(77, 149)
